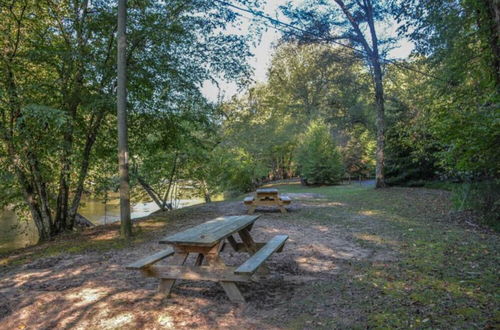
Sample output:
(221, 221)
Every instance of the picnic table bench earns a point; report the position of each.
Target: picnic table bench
(207, 240)
(267, 197)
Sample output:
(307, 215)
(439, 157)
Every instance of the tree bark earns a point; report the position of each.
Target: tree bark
(151, 192)
(170, 182)
(493, 16)
(126, 224)
(89, 143)
(379, 98)
(380, 123)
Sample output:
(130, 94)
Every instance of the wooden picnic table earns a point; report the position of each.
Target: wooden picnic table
(207, 240)
(267, 197)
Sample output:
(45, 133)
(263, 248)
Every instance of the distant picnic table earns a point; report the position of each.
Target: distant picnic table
(207, 240)
(267, 197)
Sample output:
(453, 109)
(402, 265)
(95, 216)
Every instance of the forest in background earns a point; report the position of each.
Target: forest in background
(58, 120)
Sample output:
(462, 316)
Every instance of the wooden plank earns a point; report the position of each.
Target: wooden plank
(267, 191)
(233, 242)
(266, 202)
(209, 233)
(144, 262)
(251, 209)
(248, 200)
(251, 265)
(285, 199)
(196, 273)
(248, 241)
(166, 285)
(240, 247)
(199, 259)
(233, 292)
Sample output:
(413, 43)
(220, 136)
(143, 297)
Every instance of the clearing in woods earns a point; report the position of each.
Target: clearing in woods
(356, 257)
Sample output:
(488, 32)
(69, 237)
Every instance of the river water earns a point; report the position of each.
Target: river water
(15, 234)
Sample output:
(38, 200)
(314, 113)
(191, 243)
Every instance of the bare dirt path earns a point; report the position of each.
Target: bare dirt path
(94, 290)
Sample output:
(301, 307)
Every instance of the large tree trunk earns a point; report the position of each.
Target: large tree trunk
(379, 96)
(380, 123)
(126, 224)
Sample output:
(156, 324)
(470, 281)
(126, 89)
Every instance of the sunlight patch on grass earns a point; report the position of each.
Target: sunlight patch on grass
(370, 212)
(376, 239)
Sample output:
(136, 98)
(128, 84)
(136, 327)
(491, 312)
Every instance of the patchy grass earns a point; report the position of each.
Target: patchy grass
(446, 274)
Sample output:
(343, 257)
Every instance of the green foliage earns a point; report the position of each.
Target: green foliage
(460, 42)
(357, 153)
(57, 93)
(482, 197)
(412, 150)
(318, 160)
(306, 83)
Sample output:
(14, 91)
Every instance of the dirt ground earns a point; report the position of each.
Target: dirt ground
(93, 290)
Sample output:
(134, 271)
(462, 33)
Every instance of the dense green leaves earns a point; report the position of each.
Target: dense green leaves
(318, 160)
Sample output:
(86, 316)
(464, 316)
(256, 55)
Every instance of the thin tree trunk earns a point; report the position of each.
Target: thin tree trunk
(170, 181)
(62, 221)
(126, 224)
(42, 224)
(380, 123)
(89, 143)
(206, 192)
(151, 192)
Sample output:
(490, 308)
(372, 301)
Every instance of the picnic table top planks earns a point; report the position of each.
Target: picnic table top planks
(272, 191)
(210, 232)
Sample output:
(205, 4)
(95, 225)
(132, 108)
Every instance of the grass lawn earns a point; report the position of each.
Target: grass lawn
(445, 274)
(420, 266)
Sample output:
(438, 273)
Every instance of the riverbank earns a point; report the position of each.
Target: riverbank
(356, 257)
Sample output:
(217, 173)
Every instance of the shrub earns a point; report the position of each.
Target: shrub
(482, 197)
(318, 160)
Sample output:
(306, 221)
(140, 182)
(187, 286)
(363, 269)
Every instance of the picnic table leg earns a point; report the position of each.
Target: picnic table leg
(199, 259)
(251, 209)
(248, 241)
(282, 209)
(231, 289)
(232, 242)
(166, 285)
(251, 247)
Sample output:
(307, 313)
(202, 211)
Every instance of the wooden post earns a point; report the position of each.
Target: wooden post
(121, 90)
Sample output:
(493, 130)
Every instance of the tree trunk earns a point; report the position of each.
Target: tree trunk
(379, 96)
(151, 192)
(493, 15)
(126, 224)
(380, 123)
(170, 181)
(374, 58)
(89, 143)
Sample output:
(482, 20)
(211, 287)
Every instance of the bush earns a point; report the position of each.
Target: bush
(318, 160)
(482, 197)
